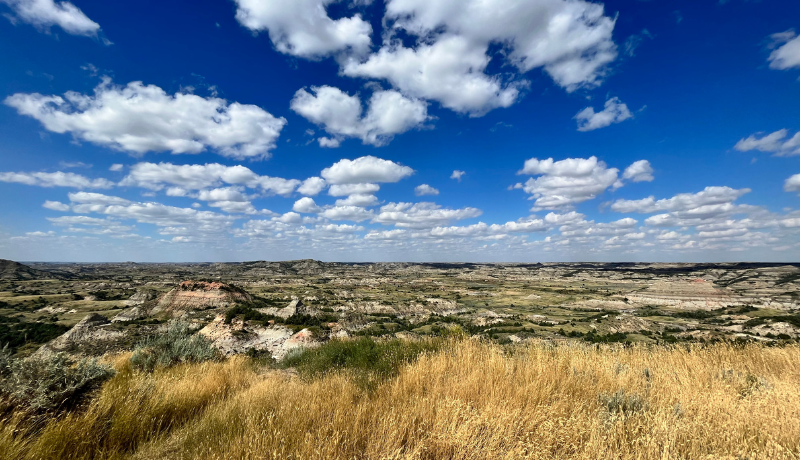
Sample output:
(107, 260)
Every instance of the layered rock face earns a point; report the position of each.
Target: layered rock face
(239, 337)
(695, 294)
(199, 295)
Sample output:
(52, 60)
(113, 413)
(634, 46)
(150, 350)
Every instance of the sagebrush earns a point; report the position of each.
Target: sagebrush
(177, 344)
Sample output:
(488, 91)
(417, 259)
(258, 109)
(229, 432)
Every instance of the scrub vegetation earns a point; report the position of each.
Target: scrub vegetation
(454, 399)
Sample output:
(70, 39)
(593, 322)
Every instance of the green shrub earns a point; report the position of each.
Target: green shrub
(50, 384)
(176, 345)
(593, 337)
(15, 332)
(248, 313)
(367, 360)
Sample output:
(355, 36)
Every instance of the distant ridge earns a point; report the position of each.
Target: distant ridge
(15, 271)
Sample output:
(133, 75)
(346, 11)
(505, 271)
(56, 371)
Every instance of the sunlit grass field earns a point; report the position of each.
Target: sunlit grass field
(458, 399)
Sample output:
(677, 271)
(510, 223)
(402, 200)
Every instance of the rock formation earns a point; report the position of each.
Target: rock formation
(239, 337)
(90, 329)
(199, 295)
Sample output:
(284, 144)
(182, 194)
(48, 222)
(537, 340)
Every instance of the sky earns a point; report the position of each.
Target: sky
(400, 130)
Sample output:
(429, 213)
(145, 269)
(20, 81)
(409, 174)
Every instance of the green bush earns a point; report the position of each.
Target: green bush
(15, 333)
(50, 384)
(367, 360)
(176, 345)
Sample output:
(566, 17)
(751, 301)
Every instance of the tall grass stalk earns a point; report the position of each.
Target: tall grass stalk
(470, 400)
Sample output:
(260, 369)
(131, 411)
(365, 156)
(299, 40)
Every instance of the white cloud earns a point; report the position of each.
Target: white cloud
(457, 175)
(55, 205)
(116, 167)
(196, 177)
(792, 184)
(139, 119)
(450, 71)
(615, 111)
(44, 14)
(171, 220)
(353, 189)
(305, 205)
(91, 198)
(303, 27)
(776, 143)
(570, 40)
(786, 56)
(386, 234)
(389, 113)
(590, 228)
(365, 169)
(566, 218)
(354, 213)
(222, 194)
(709, 199)
(236, 207)
(229, 199)
(425, 189)
(358, 200)
(422, 215)
(312, 186)
(639, 171)
(54, 179)
(567, 182)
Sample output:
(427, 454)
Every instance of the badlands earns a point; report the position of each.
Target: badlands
(272, 307)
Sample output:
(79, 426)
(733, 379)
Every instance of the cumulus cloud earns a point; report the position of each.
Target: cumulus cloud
(425, 189)
(157, 176)
(56, 205)
(361, 200)
(171, 220)
(353, 189)
(303, 28)
(778, 143)
(590, 228)
(422, 215)
(457, 175)
(787, 55)
(340, 115)
(44, 14)
(54, 179)
(139, 119)
(312, 186)
(792, 184)
(567, 182)
(615, 111)
(365, 170)
(570, 40)
(449, 71)
(639, 171)
(710, 199)
(347, 212)
(116, 167)
(305, 205)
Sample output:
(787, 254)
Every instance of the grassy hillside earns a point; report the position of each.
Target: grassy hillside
(464, 399)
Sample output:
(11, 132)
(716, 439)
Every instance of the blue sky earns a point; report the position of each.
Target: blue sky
(282, 129)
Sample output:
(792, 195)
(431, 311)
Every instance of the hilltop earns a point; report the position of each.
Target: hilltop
(15, 271)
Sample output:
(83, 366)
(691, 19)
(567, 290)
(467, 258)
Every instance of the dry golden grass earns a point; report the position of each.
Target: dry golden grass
(472, 401)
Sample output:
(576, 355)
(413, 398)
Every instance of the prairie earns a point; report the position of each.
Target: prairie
(460, 399)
